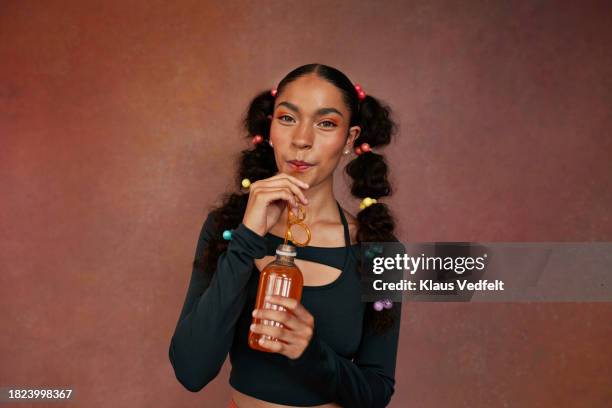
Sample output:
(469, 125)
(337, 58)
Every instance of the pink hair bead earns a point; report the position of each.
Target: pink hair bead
(273, 92)
(257, 139)
(360, 92)
(361, 95)
(363, 148)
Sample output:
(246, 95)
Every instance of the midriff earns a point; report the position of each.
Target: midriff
(246, 401)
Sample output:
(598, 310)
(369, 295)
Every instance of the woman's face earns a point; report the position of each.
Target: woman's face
(310, 123)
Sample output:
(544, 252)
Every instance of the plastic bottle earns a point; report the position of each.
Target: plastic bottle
(280, 277)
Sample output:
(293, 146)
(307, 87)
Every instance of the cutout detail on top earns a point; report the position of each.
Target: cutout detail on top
(314, 273)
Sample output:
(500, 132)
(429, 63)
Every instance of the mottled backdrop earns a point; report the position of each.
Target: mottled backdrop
(118, 121)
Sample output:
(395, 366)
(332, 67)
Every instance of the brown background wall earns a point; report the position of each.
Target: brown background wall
(116, 120)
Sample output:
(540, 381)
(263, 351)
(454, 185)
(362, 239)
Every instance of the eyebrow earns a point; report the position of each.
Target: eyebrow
(321, 111)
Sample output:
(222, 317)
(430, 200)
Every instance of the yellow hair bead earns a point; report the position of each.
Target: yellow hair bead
(366, 202)
(246, 183)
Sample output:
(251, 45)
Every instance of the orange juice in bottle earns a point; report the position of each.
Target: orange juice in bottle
(280, 277)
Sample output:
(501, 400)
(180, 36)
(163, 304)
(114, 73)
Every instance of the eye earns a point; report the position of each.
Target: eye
(330, 123)
(284, 116)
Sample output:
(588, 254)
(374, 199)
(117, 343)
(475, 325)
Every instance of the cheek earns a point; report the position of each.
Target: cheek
(330, 155)
(273, 131)
(279, 133)
(332, 146)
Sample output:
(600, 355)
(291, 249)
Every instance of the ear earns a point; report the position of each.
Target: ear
(353, 134)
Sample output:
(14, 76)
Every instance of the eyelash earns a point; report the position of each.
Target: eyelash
(325, 121)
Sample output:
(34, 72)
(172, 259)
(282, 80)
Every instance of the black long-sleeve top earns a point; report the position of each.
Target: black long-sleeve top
(343, 362)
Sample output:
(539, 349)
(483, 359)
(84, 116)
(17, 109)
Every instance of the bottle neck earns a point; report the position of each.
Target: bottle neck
(285, 254)
(285, 260)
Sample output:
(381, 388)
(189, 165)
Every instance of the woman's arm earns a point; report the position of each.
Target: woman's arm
(368, 381)
(205, 328)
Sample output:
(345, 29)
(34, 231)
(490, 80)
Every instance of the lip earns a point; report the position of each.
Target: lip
(300, 166)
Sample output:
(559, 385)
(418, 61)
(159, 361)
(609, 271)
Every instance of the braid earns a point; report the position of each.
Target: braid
(369, 173)
(255, 164)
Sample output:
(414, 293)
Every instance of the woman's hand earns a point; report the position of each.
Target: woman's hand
(269, 197)
(297, 330)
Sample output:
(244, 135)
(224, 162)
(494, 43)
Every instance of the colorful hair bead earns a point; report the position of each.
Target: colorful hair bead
(246, 183)
(360, 92)
(366, 202)
(257, 139)
(379, 305)
(227, 235)
(273, 92)
(373, 250)
(363, 148)
(377, 249)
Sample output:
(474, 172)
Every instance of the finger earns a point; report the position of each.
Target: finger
(293, 179)
(274, 346)
(292, 351)
(293, 200)
(287, 183)
(273, 194)
(296, 307)
(280, 333)
(287, 319)
(280, 177)
(298, 192)
(294, 190)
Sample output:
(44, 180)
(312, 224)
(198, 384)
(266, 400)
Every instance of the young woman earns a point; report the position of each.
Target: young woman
(336, 350)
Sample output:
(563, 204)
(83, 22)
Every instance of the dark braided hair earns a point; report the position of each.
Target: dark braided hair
(368, 172)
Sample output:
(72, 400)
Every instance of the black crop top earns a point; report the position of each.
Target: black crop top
(342, 363)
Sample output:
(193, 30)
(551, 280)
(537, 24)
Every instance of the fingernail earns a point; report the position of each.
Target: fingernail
(254, 313)
(252, 327)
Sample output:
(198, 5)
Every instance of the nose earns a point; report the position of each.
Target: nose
(303, 137)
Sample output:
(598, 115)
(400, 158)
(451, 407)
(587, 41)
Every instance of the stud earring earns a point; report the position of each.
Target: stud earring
(347, 151)
(270, 143)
